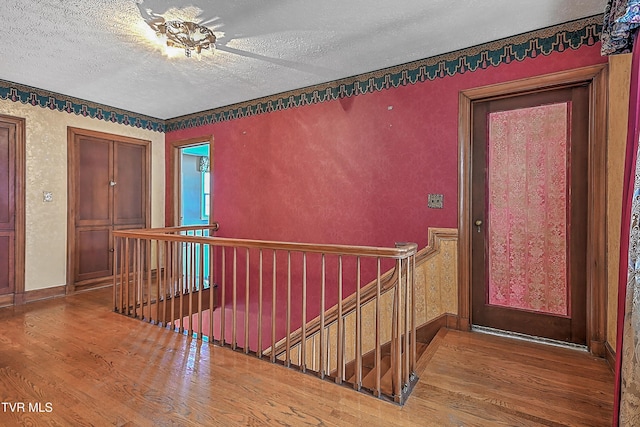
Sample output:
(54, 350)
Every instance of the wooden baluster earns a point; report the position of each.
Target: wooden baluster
(287, 362)
(170, 294)
(260, 272)
(212, 291)
(158, 274)
(340, 331)
(246, 306)
(201, 289)
(126, 277)
(183, 247)
(161, 295)
(357, 384)
(189, 283)
(234, 341)
(123, 283)
(147, 262)
(132, 277)
(376, 391)
(413, 316)
(185, 289)
(192, 282)
(407, 320)
(165, 282)
(395, 339)
(114, 289)
(141, 266)
(173, 283)
(273, 311)
(303, 342)
(323, 342)
(222, 296)
(138, 280)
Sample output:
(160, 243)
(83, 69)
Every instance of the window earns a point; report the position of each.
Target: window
(206, 195)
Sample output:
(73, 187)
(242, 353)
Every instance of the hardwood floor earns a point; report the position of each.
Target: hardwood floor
(71, 361)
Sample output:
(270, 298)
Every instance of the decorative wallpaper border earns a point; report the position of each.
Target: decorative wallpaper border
(570, 35)
(54, 101)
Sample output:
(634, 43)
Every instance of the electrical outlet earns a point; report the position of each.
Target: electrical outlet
(435, 201)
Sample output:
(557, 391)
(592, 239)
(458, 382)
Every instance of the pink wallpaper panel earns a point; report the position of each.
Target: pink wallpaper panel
(527, 208)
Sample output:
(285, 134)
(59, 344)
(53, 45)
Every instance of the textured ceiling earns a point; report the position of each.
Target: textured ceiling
(103, 51)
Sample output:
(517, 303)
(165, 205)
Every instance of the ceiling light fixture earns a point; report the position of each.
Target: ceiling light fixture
(184, 35)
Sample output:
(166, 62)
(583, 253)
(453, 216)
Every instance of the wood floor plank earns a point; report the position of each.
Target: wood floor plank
(96, 367)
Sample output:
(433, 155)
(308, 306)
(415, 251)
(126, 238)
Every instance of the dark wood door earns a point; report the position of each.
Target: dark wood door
(111, 191)
(130, 177)
(94, 207)
(529, 207)
(93, 251)
(94, 192)
(7, 206)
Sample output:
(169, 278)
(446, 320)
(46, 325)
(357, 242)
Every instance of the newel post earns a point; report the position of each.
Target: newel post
(403, 344)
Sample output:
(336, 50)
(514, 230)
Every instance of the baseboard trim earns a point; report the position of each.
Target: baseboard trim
(427, 331)
(40, 294)
(7, 300)
(597, 348)
(610, 356)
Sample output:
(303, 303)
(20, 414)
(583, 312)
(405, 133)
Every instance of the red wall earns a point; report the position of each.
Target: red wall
(353, 171)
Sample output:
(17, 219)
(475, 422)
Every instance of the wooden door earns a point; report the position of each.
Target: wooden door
(7, 207)
(130, 181)
(110, 190)
(94, 207)
(529, 213)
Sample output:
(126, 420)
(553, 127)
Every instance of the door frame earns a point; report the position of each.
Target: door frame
(18, 296)
(175, 168)
(72, 133)
(596, 78)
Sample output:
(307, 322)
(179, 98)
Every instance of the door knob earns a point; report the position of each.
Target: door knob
(112, 183)
(478, 223)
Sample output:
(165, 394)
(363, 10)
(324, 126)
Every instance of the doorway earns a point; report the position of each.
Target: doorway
(192, 167)
(12, 208)
(193, 196)
(529, 210)
(532, 217)
(195, 185)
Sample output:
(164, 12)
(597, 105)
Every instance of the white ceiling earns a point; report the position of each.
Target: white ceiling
(103, 51)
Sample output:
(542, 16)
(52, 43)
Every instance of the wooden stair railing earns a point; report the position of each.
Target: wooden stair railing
(172, 306)
(166, 276)
(368, 293)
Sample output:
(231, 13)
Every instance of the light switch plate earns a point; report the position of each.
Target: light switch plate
(47, 196)
(435, 201)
